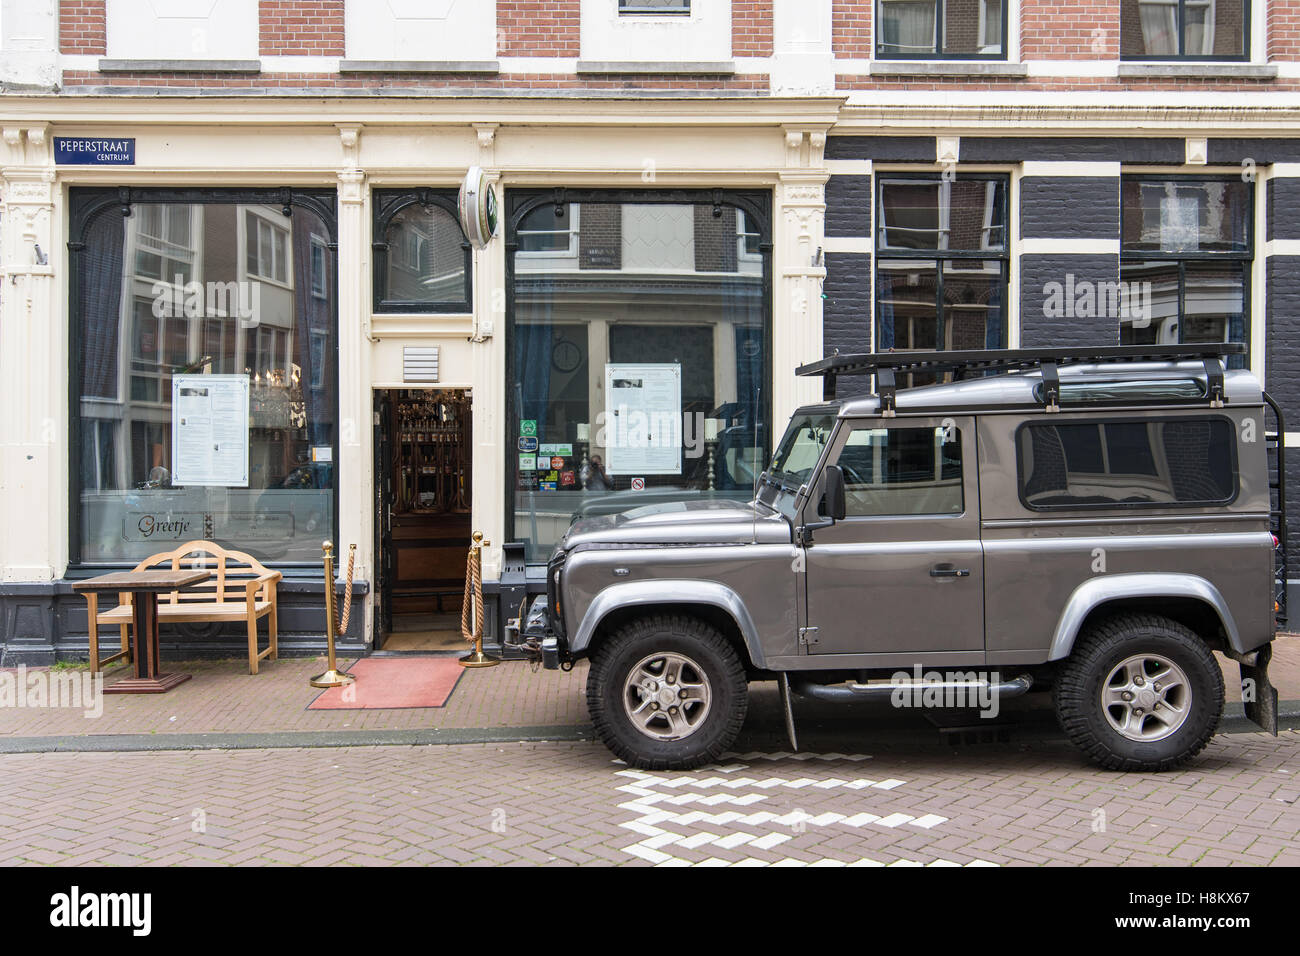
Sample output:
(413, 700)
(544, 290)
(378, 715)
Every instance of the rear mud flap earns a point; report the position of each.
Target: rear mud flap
(1259, 697)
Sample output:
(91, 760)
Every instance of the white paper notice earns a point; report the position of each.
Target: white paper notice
(210, 430)
(643, 419)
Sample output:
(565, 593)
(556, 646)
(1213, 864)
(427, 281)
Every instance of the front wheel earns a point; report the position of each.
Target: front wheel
(667, 692)
(1140, 692)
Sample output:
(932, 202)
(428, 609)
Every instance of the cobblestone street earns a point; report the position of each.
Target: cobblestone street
(1034, 801)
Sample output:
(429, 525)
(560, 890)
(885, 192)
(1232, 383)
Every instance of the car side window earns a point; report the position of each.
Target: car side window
(902, 471)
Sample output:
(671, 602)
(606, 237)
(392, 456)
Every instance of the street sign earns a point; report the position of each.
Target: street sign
(93, 151)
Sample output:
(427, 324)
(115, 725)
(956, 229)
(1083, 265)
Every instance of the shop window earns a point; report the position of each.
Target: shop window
(422, 258)
(1185, 29)
(941, 263)
(638, 349)
(209, 296)
(1185, 261)
(941, 29)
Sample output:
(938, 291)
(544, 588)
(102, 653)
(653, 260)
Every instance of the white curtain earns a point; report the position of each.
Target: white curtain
(1159, 27)
(907, 26)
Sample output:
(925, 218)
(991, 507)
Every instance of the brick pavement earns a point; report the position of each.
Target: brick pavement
(1032, 802)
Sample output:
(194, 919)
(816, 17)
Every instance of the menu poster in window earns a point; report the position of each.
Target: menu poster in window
(210, 430)
(643, 419)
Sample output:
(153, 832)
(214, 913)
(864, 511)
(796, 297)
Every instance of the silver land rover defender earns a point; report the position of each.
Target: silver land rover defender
(1098, 522)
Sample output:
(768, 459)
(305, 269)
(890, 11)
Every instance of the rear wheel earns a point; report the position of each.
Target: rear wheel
(667, 692)
(1140, 692)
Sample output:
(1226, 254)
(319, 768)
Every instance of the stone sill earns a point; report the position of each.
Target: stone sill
(419, 66)
(1195, 71)
(180, 66)
(661, 68)
(999, 69)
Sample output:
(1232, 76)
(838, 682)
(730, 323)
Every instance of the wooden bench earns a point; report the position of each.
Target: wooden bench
(238, 588)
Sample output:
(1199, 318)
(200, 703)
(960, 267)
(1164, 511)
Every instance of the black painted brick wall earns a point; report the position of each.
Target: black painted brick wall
(846, 310)
(1069, 207)
(1282, 377)
(848, 206)
(1232, 151)
(894, 149)
(1006, 149)
(1283, 209)
(1040, 331)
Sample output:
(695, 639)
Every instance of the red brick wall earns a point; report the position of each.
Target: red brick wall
(851, 28)
(1069, 29)
(301, 27)
(751, 27)
(537, 28)
(1284, 30)
(81, 26)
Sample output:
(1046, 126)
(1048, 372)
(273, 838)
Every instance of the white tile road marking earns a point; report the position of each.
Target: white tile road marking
(654, 807)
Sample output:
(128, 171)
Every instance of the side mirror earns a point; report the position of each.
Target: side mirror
(832, 504)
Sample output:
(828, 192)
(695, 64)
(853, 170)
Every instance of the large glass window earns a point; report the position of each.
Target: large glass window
(1185, 261)
(639, 356)
(941, 263)
(1184, 29)
(943, 29)
(226, 299)
(422, 259)
(1101, 464)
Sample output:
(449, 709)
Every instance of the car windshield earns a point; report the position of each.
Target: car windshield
(802, 445)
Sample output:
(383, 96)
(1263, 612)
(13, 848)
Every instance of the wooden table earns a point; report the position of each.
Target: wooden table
(145, 586)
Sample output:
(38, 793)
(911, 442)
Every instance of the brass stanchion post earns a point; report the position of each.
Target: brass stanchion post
(332, 676)
(474, 592)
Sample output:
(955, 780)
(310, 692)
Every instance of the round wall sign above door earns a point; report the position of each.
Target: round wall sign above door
(477, 205)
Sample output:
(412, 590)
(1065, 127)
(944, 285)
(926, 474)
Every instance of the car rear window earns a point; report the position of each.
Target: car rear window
(1127, 464)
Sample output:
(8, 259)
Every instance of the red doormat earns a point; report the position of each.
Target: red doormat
(388, 683)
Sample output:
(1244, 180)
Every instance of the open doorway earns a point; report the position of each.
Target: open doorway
(423, 523)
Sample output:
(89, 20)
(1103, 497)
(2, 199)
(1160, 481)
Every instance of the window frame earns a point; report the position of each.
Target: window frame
(1247, 21)
(1235, 463)
(877, 53)
(1245, 258)
(942, 256)
(387, 204)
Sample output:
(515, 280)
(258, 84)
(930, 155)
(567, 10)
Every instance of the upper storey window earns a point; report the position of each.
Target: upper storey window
(1184, 29)
(941, 29)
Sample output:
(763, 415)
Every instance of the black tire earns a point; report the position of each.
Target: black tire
(712, 656)
(1102, 649)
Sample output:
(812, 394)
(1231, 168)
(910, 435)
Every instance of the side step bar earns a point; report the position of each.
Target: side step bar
(842, 693)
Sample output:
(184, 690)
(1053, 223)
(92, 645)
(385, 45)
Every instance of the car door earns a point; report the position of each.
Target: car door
(901, 576)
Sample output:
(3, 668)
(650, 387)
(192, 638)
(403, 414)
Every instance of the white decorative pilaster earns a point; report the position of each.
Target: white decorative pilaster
(34, 361)
(798, 271)
(356, 507)
(489, 357)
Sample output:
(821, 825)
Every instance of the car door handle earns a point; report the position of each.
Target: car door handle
(948, 571)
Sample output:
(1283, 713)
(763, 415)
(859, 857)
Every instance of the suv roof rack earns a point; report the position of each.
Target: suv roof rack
(885, 365)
